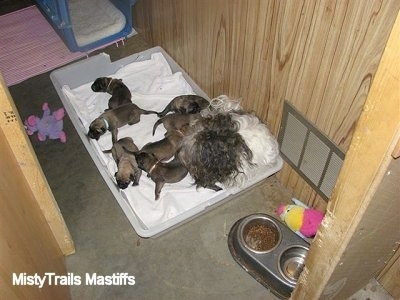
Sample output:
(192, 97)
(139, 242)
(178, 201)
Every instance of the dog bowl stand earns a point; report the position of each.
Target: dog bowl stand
(277, 268)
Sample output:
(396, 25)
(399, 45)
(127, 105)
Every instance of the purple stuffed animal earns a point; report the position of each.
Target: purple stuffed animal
(49, 126)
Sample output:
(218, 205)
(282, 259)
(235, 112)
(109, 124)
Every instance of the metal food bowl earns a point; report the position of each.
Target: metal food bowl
(276, 264)
(291, 262)
(259, 234)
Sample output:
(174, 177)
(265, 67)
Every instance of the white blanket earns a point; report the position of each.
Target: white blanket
(153, 86)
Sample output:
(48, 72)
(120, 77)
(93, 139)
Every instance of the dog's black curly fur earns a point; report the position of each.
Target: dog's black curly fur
(213, 151)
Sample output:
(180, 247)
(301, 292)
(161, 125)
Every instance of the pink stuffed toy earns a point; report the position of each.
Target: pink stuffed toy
(49, 126)
(301, 219)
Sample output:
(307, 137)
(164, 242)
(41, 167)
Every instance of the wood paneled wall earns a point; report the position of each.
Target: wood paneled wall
(319, 55)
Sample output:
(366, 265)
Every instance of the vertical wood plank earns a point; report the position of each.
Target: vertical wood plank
(390, 275)
(15, 136)
(27, 242)
(352, 239)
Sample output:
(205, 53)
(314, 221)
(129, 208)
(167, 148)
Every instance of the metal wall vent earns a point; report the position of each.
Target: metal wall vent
(317, 159)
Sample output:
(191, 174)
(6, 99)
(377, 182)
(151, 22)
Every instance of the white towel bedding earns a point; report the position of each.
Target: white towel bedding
(153, 86)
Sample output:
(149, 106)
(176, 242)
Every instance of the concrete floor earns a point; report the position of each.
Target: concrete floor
(189, 262)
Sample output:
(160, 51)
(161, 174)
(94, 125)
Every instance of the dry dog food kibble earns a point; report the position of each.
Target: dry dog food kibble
(261, 237)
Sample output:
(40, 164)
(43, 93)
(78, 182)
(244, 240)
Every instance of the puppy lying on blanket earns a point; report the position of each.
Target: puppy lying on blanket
(114, 118)
(190, 104)
(167, 147)
(120, 92)
(176, 121)
(159, 172)
(128, 170)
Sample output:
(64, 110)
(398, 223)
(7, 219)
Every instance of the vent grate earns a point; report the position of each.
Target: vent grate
(295, 135)
(317, 159)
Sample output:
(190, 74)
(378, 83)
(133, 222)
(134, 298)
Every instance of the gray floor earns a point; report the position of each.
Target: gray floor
(189, 262)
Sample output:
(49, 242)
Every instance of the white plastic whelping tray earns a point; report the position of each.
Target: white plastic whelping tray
(154, 79)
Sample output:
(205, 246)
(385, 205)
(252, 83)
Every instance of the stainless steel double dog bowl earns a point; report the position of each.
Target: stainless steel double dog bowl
(269, 251)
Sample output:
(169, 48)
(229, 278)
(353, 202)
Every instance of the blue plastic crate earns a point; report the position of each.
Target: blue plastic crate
(58, 15)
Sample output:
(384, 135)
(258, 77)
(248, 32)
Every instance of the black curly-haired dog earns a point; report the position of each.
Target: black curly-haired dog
(213, 151)
(120, 93)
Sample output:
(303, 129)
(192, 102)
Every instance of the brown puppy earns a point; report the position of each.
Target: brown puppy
(190, 104)
(120, 92)
(167, 147)
(128, 170)
(176, 121)
(115, 118)
(159, 172)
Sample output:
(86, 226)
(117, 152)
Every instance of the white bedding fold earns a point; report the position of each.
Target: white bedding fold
(153, 86)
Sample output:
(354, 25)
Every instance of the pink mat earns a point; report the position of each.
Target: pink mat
(29, 46)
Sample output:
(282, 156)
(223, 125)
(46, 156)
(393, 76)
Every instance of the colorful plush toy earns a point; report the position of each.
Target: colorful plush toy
(301, 219)
(49, 126)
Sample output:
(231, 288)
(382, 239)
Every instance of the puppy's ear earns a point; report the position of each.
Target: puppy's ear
(133, 179)
(130, 148)
(193, 108)
(130, 151)
(139, 156)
